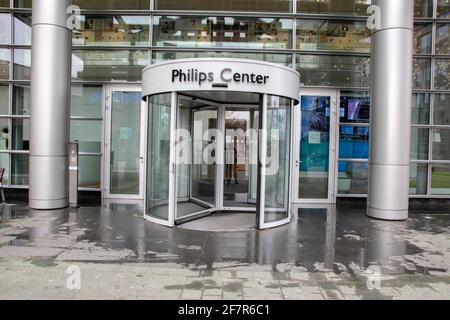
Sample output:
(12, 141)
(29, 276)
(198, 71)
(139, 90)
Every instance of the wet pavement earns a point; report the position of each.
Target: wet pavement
(325, 253)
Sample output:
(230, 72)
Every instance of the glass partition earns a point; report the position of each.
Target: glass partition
(159, 157)
(225, 5)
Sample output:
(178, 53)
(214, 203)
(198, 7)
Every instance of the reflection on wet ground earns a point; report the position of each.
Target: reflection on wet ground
(318, 239)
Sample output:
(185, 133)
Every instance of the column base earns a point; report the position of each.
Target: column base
(389, 215)
(48, 204)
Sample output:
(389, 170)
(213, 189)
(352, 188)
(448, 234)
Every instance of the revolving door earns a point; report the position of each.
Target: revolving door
(218, 150)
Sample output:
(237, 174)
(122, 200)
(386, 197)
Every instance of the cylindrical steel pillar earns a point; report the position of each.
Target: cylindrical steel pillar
(389, 163)
(50, 100)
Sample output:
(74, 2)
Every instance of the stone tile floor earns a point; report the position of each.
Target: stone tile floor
(325, 253)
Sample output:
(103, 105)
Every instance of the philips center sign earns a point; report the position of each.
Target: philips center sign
(220, 74)
(225, 76)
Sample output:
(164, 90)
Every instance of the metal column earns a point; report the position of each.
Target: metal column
(50, 96)
(389, 164)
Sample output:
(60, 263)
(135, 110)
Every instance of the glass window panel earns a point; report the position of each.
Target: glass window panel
(21, 134)
(5, 59)
(353, 177)
(112, 31)
(443, 38)
(88, 133)
(5, 28)
(422, 74)
(89, 171)
(440, 179)
(441, 144)
(22, 29)
(278, 58)
(355, 107)
(421, 108)
(20, 169)
(113, 4)
(22, 3)
(86, 101)
(108, 65)
(4, 163)
(4, 3)
(442, 79)
(322, 70)
(226, 5)
(21, 100)
(419, 143)
(344, 7)
(158, 157)
(422, 38)
(443, 9)
(4, 99)
(442, 109)
(4, 138)
(354, 142)
(228, 32)
(333, 35)
(423, 8)
(22, 64)
(418, 179)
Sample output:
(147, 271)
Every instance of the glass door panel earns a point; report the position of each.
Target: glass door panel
(313, 174)
(159, 173)
(123, 143)
(253, 157)
(275, 158)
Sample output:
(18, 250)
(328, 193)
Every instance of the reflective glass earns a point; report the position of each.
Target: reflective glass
(5, 28)
(276, 188)
(158, 157)
(443, 38)
(86, 101)
(423, 8)
(21, 100)
(333, 35)
(225, 32)
(19, 169)
(422, 38)
(441, 144)
(113, 4)
(5, 59)
(89, 171)
(442, 78)
(4, 137)
(440, 179)
(443, 9)
(4, 3)
(4, 99)
(22, 29)
(283, 59)
(21, 134)
(108, 65)
(88, 133)
(354, 142)
(419, 143)
(22, 64)
(226, 5)
(324, 70)
(4, 163)
(125, 143)
(442, 109)
(344, 7)
(353, 177)
(314, 147)
(22, 3)
(112, 31)
(421, 73)
(418, 179)
(421, 108)
(354, 107)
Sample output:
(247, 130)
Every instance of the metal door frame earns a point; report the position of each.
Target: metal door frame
(106, 183)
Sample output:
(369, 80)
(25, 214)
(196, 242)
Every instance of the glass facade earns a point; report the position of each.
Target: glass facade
(326, 41)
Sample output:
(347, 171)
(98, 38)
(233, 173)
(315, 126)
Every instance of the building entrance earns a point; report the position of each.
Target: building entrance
(221, 146)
